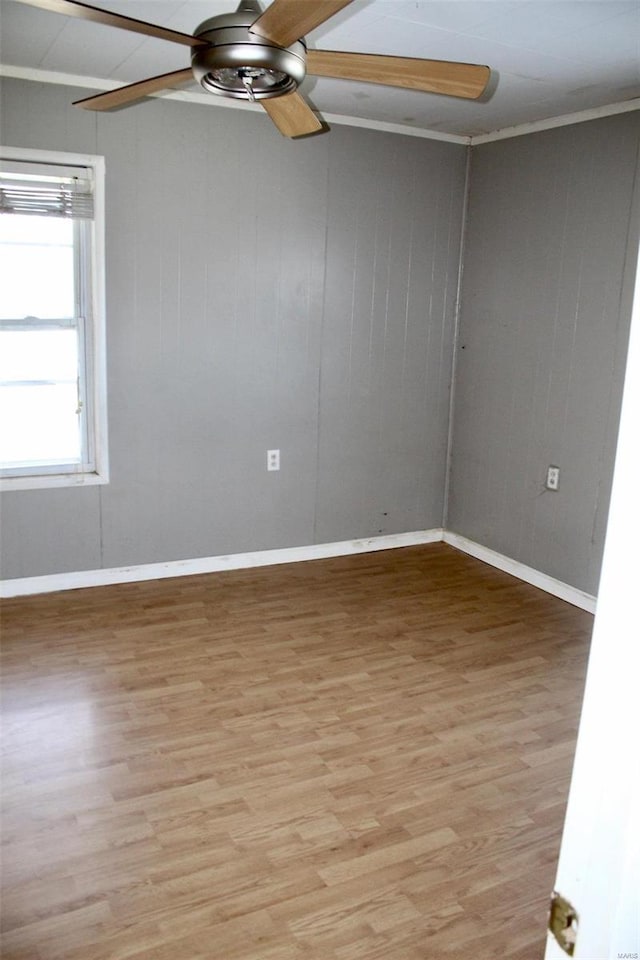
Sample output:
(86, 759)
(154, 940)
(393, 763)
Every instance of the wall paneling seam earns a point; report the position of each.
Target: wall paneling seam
(456, 337)
(323, 313)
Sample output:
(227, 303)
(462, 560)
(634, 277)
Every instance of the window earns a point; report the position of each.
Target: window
(52, 351)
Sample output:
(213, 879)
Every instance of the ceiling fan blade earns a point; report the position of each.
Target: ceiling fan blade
(467, 80)
(285, 21)
(292, 115)
(123, 96)
(72, 8)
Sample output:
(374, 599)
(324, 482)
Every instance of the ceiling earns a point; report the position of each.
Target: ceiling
(550, 57)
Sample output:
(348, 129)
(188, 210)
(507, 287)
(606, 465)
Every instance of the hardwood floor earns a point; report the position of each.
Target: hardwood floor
(364, 758)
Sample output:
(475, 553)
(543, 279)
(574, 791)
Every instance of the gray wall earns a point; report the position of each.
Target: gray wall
(548, 269)
(260, 293)
(263, 293)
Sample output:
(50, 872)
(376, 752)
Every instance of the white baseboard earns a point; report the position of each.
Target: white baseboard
(27, 586)
(235, 561)
(556, 587)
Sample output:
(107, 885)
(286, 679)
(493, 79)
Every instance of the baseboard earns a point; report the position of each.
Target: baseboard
(556, 587)
(51, 583)
(236, 561)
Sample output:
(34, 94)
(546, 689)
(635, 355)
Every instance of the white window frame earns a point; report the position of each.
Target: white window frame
(95, 365)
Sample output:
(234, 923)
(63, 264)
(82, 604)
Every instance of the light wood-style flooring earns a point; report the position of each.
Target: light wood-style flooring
(364, 758)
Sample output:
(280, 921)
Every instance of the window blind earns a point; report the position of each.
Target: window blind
(66, 192)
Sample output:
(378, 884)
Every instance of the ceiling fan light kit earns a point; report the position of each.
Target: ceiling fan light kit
(262, 56)
(244, 65)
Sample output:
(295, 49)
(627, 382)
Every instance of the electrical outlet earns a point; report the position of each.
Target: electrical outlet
(273, 459)
(553, 478)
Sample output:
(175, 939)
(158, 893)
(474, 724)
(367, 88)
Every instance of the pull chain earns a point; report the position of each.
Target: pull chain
(248, 85)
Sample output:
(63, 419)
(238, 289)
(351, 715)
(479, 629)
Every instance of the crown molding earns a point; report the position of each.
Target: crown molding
(566, 120)
(207, 100)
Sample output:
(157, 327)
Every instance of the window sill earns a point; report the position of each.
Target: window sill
(44, 481)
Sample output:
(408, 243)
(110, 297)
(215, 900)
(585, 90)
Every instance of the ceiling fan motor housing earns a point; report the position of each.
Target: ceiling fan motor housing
(243, 65)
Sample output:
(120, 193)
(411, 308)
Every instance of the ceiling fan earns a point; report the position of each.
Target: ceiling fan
(262, 57)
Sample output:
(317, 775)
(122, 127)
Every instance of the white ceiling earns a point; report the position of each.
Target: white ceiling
(550, 57)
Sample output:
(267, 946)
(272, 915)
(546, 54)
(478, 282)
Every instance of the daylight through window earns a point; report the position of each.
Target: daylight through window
(52, 417)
